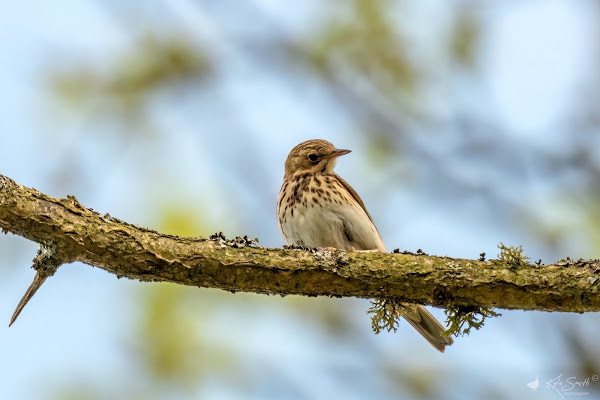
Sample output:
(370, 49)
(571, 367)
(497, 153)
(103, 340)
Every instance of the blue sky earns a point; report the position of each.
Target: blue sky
(538, 56)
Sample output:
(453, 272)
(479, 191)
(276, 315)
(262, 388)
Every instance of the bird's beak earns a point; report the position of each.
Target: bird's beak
(339, 152)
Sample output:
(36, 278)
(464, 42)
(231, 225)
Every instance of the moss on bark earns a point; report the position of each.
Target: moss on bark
(135, 252)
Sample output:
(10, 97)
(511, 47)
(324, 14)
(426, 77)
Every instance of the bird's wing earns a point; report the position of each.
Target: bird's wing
(354, 194)
(356, 197)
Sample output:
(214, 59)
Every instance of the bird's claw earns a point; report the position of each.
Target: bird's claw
(365, 251)
(331, 249)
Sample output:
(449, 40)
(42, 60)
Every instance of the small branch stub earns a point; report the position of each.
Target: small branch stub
(46, 263)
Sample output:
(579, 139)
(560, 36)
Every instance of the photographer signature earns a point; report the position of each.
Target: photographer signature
(570, 385)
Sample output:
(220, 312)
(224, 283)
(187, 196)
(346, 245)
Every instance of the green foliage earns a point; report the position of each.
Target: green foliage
(153, 63)
(472, 316)
(180, 219)
(464, 37)
(366, 41)
(511, 256)
(386, 314)
(173, 338)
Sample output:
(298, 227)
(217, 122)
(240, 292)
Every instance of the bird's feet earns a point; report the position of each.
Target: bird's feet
(331, 249)
(352, 248)
(366, 251)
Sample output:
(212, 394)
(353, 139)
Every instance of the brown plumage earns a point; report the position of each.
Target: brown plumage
(317, 208)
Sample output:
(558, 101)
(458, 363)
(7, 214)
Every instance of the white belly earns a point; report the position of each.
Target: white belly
(327, 224)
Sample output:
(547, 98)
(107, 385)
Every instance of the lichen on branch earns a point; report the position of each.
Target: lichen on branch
(463, 318)
(512, 256)
(135, 252)
(385, 315)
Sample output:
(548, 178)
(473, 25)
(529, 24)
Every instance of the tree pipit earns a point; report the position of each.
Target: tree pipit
(317, 208)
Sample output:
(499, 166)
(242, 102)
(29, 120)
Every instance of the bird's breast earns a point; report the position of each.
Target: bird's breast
(317, 211)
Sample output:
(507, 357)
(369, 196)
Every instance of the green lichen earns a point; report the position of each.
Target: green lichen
(511, 256)
(386, 315)
(471, 316)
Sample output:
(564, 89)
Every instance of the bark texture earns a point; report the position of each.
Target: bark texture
(76, 233)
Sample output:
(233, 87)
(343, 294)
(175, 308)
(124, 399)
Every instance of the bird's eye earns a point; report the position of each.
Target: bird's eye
(313, 157)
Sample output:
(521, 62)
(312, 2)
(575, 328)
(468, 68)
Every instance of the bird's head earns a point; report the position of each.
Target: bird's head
(312, 156)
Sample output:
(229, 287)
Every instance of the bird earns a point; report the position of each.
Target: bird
(535, 384)
(316, 208)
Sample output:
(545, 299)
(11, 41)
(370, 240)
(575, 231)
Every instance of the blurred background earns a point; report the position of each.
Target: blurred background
(471, 123)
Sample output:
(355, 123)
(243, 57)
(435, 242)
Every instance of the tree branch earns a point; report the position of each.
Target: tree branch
(81, 234)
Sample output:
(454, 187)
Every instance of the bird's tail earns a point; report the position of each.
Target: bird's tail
(428, 327)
